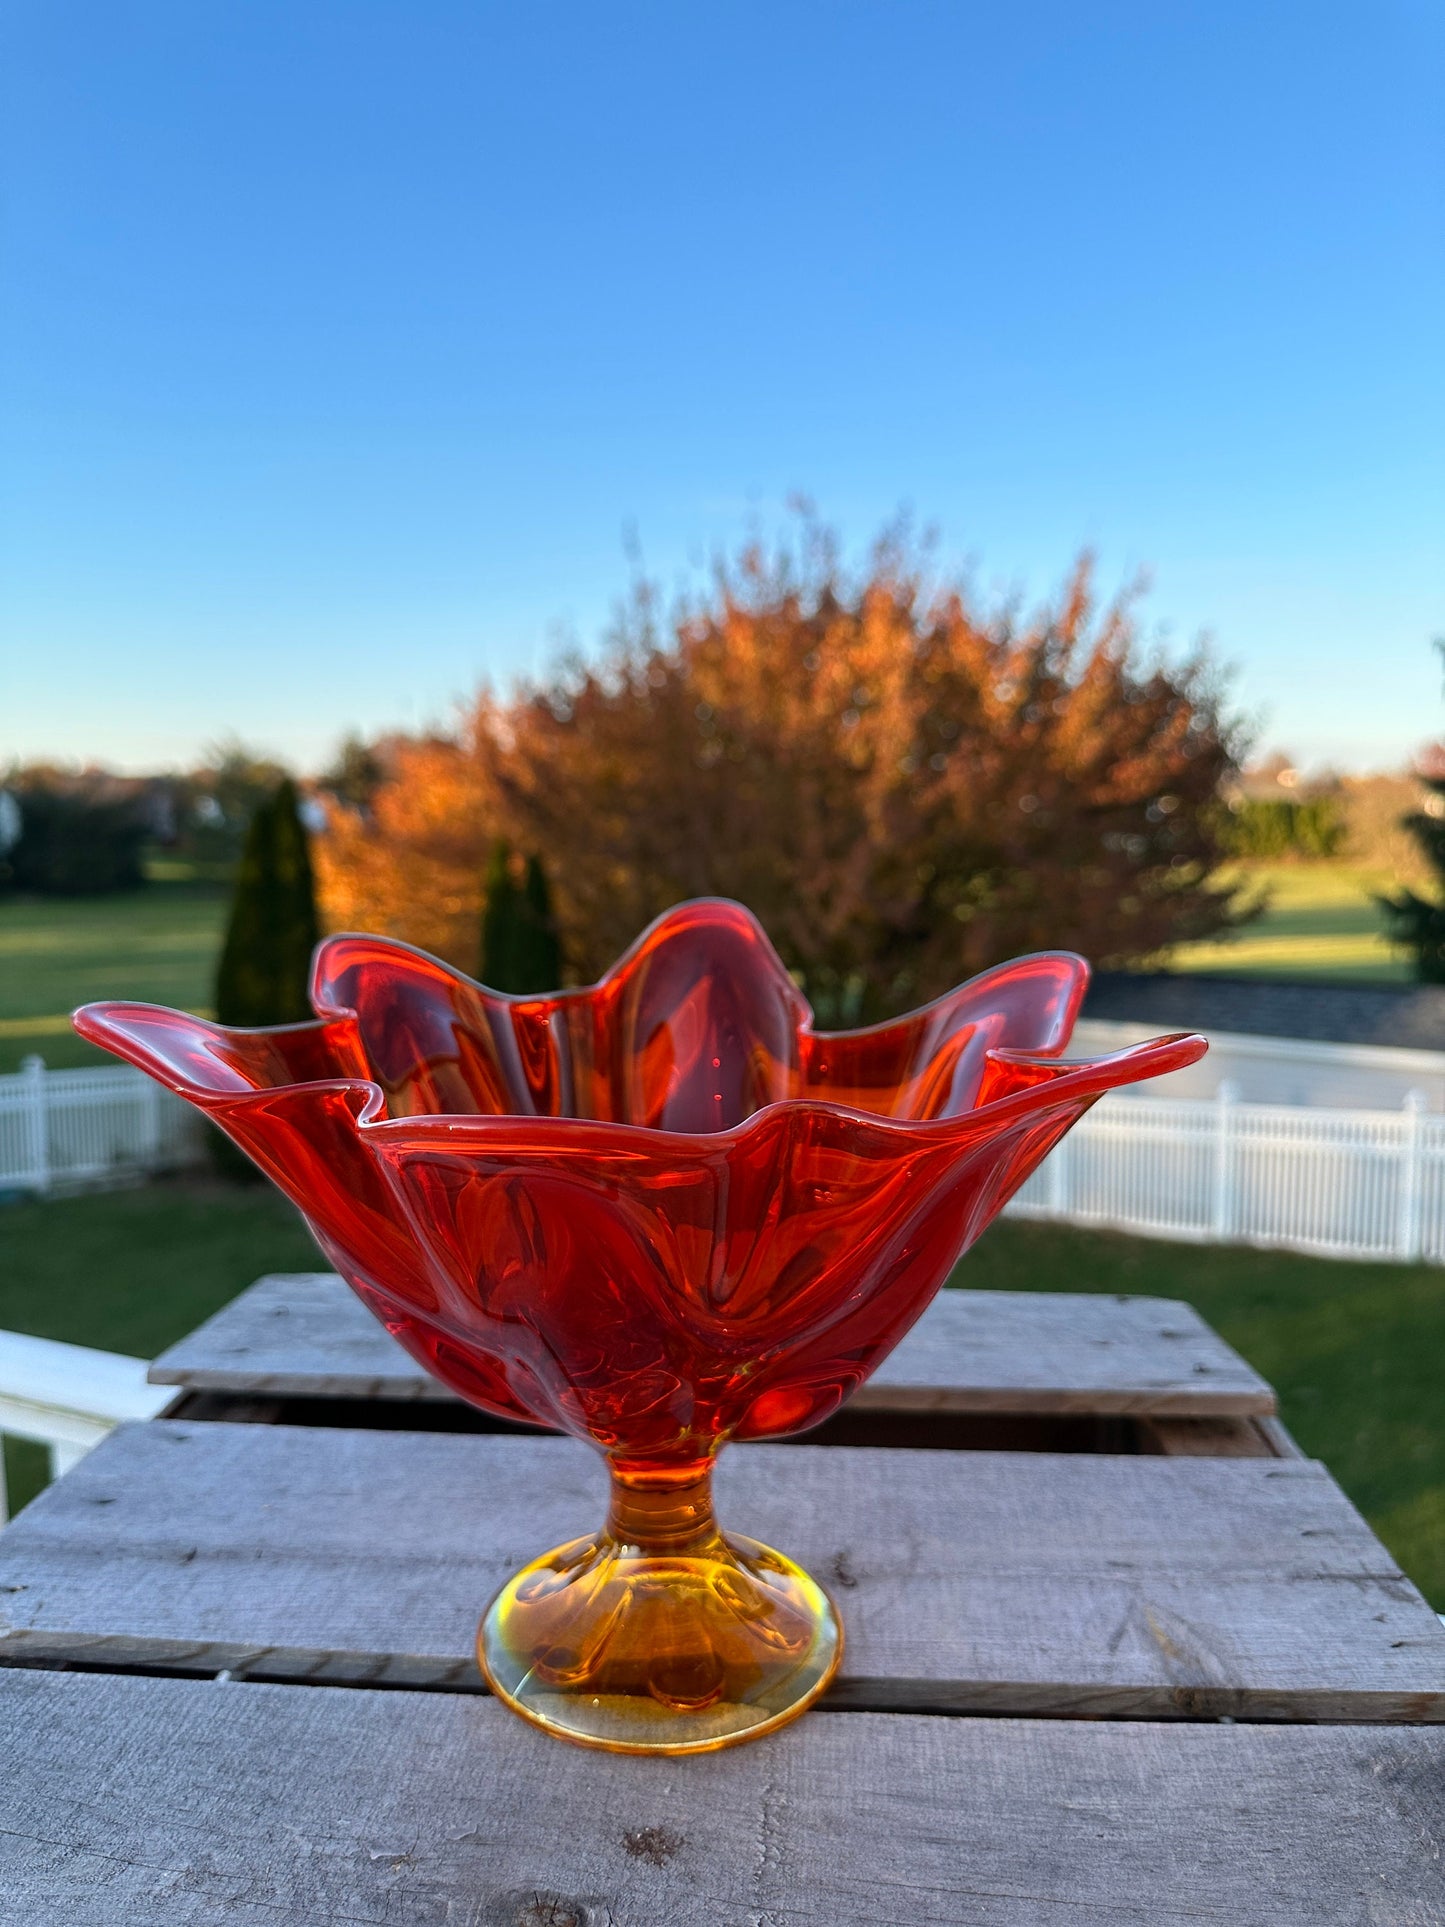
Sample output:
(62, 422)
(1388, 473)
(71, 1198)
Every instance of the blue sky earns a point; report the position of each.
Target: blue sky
(340, 343)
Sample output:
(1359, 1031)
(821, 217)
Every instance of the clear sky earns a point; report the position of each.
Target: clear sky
(340, 342)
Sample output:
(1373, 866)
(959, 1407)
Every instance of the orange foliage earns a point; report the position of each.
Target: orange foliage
(903, 789)
(411, 865)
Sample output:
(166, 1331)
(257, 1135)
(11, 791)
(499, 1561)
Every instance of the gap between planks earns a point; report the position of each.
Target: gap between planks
(926, 1429)
(409, 1673)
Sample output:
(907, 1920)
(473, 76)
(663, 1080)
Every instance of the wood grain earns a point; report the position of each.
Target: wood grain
(305, 1334)
(997, 1582)
(168, 1803)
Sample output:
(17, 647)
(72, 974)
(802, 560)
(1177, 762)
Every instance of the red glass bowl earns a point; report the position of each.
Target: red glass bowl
(658, 1214)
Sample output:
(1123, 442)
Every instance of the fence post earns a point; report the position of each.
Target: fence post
(65, 1453)
(1222, 1212)
(1058, 1170)
(150, 1105)
(37, 1132)
(1409, 1238)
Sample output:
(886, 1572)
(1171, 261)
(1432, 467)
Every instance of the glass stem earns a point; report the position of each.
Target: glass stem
(662, 1509)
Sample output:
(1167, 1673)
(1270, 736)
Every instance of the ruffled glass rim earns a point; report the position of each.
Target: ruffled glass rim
(127, 1029)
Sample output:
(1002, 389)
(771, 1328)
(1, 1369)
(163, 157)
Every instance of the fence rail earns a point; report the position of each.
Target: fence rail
(1343, 1184)
(67, 1397)
(60, 1129)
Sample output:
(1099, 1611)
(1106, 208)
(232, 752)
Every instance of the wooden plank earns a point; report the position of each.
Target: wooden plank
(1281, 1442)
(1219, 1438)
(980, 1582)
(168, 1803)
(306, 1335)
(295, 1335)
(1037, 1351)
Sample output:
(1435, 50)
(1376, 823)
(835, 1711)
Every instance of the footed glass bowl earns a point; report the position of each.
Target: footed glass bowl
(658, 1214)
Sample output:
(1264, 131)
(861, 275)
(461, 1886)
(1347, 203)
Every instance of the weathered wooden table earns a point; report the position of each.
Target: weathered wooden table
(1017, 1369)
(1167, 1674)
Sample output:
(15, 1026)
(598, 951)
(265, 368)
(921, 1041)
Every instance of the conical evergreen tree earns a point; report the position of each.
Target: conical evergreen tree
(499, 919)
(1414, 921)
(520, 949)
(265, 963)
(539, 927)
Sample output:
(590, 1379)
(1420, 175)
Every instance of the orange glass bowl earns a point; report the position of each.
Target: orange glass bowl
(657, 1214)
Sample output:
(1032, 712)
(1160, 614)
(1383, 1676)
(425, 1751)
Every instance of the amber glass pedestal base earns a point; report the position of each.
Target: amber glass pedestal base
(659, 1635)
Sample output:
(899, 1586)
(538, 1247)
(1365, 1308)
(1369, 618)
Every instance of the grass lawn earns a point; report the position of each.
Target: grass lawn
(1356, 1351)
(1321, 923)
(133, 1271)
(156, 944)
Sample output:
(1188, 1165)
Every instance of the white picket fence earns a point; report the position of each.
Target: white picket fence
(75, 1129)
(1346, 1184)
(1343, 1184)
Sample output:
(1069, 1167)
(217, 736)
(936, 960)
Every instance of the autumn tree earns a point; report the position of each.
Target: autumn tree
(412, 864)
(903, 787)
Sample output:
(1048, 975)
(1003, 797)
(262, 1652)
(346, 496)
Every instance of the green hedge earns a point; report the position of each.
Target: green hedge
(74, 845)
(1285, 826)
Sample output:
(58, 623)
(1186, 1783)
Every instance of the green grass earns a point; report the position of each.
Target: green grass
(1356, 1351)
(133, 1271)
(1322, 923)
(157, 944)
